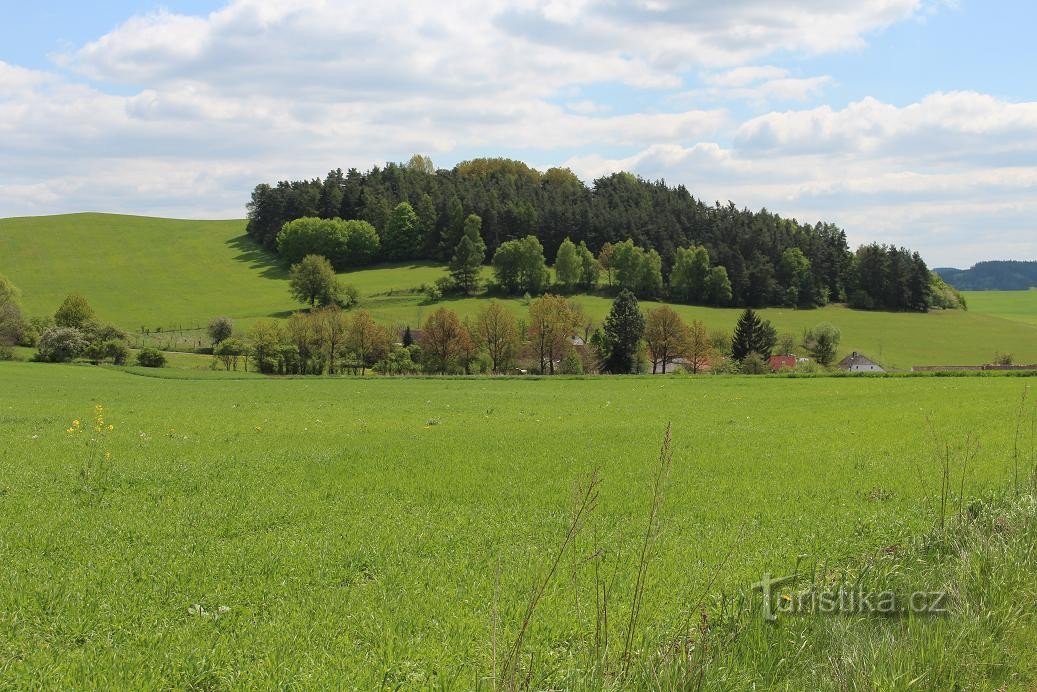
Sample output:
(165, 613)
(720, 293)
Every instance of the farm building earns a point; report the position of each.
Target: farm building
(856, 362)
(782, 363)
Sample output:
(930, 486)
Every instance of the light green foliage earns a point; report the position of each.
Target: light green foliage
(152, 358)
(402, 238)
(312, 281)
(689, 278)
(823, 343)
(520, 267)
(589, 267)
(718, 287)
(74, 311)
(568, 265)
(12, 328)
(345, 243)
(251, 528)
(637, 271)
(794, 273)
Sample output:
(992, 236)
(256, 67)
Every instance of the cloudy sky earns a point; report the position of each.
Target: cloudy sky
(905, 121)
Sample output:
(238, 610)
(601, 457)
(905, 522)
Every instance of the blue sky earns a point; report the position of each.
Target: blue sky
(905, 121)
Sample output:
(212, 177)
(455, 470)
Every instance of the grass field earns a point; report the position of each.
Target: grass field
(354, 533)
(1020, 306)
(170, 274)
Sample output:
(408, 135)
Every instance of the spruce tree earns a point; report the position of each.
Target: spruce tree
(620, 341)
(468, 256)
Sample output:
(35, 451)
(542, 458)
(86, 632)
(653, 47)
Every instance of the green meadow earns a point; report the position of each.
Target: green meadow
(1019, 306)
(170, 274)
(314, 533)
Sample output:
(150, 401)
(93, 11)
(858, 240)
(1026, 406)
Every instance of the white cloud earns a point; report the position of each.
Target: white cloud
(183, 115)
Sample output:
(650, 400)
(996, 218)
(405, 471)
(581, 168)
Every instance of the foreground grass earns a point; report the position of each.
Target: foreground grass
(365, 533)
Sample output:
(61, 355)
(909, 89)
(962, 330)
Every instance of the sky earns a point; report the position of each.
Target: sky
(912, 122)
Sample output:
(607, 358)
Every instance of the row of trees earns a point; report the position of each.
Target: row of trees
(412, 211)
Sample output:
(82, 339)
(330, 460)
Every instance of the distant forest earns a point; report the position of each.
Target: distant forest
(514, 201)
(992, 276)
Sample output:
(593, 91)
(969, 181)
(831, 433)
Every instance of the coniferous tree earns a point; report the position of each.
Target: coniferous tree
(619, 342)
(753, 335)
(468, 257)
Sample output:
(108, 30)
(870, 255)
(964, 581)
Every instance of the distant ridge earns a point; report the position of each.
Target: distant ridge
(999, 275)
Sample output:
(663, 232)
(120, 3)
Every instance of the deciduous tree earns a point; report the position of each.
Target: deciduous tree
(496, 330)
(666, 336)
(552, 323)
(442, 340)
(74, 311)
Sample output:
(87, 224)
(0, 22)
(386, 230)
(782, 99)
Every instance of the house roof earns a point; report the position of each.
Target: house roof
(856, 359)
(779, 362)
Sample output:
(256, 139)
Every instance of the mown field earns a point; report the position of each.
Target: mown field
(168, 274)
(1020, 306)
(260, 533)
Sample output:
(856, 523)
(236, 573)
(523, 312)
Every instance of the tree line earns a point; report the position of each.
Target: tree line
(723, 255)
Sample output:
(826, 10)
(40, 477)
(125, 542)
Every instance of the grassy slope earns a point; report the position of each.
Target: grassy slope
(152, 272)
(1020, 306)
(357, 545)
(142, 271)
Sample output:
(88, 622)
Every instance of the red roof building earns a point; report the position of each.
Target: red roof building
(783, 363)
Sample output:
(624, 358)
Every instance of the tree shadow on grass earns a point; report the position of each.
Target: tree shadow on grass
(257, 258)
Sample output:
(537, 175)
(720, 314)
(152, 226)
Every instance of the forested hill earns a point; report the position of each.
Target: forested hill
(992, 276)
(769, 260)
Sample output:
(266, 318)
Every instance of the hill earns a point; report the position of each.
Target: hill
(162, 272)
(1008, 275)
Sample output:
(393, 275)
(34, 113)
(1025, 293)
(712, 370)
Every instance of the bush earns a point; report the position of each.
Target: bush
(754, 364)
(113, 350)
(344, 243)
(61, 345)
(572, 365)
(151, 358)
(33, 330)
(347, 296)
(220, 329)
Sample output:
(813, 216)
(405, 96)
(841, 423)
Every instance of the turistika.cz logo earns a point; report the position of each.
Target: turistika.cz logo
(779, 598)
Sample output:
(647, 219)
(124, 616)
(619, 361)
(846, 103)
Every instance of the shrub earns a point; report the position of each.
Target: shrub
(61, 345)
(572, 365)
(111, 349)
(754, 364)
(73, 312)
(220, 329)
(151, 358)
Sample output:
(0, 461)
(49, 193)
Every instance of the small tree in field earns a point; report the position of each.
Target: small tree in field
(73, 312)
(151, 358)
(823, 342)
(229, 351)
(568, 265)
(220, 329)
(313, 281)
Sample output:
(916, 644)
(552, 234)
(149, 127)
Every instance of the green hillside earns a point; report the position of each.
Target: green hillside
(1020, 306)
(169, 273)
